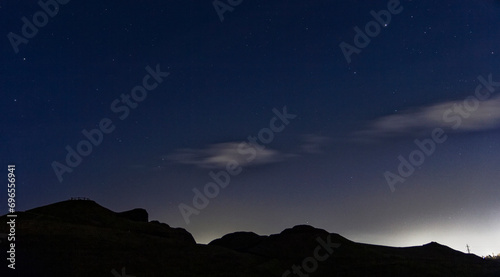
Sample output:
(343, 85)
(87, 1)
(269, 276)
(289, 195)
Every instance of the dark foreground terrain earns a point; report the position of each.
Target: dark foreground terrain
(82, 238)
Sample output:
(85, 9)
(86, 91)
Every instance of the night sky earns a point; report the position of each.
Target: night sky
(384, 130)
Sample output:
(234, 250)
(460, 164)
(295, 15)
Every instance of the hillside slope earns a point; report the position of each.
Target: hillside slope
(82, 238)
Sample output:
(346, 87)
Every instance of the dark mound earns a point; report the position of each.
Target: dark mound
(140, 215)
(239, 241)
(82, 238)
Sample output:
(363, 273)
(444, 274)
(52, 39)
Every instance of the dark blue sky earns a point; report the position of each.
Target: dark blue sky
(328, 165)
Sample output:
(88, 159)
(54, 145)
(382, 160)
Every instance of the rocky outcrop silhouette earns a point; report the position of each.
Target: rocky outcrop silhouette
(140, 215)
(82, 238)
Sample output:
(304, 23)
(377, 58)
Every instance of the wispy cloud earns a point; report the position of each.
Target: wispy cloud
(218, 155)
(450, 115)
(314, 144)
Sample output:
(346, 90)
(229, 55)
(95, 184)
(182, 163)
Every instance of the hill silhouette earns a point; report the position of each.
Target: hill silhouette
(82, 238)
